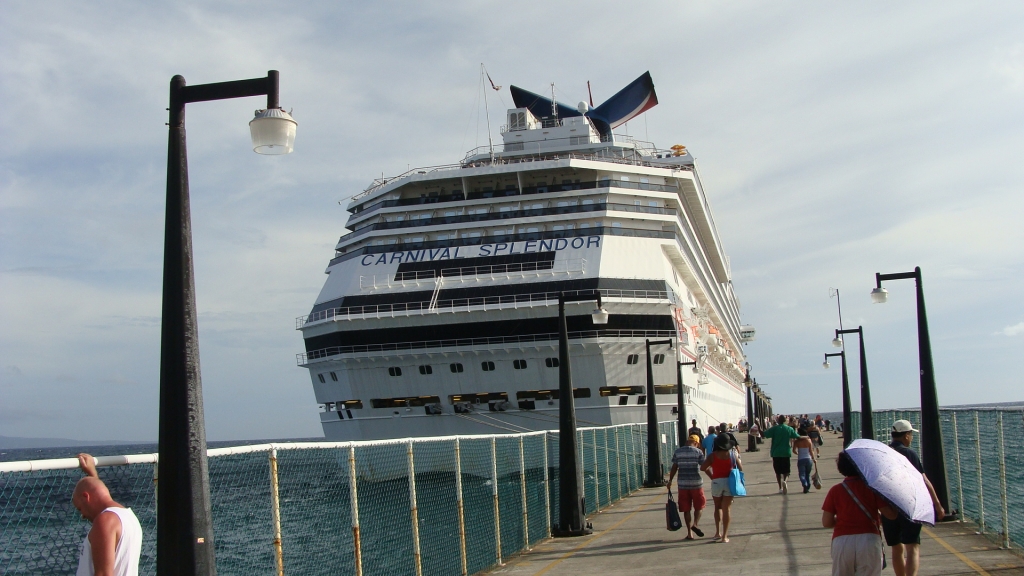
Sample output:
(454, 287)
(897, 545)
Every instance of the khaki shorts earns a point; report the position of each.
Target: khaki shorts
(720, 487)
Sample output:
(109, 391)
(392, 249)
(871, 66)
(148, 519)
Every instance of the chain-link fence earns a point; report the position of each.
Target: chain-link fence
(453, 505)
(984, 451)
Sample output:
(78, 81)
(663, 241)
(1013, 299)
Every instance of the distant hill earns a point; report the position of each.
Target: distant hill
(14, 442)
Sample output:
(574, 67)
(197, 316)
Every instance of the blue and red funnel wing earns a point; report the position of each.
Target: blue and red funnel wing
(538, 105)
(627, 103)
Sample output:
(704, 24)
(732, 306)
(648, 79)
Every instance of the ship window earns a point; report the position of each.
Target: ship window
(550, 394)
(334, 376)
(665, 389)
(455, 367)
(321, 377)
(587, 202)
(616, 224)
(641, 400)
(479, 397)
(653, 204)
(349, 405)
(658, 359)
(632, 359)
(624, 178)
(426, 369)
(558, 227)
(442, 236)
(636, 202)
(624, 401)
(394, 371)
(532, 229)
(551, 362)
(487, 366)
(404, 402)
(645, 184)
(519, 364)
(621, 390)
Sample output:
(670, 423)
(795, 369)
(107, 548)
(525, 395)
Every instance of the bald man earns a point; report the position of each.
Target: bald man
(114, 543)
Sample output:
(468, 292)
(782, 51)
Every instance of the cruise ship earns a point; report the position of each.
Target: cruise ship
(439, 315)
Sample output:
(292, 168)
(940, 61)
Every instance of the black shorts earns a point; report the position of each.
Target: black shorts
(901, 531)
(781, 465)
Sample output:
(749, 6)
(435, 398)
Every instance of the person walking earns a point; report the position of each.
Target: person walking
(686, 460)
(781, 451)
(814, 433)
(695, 430)
(114, 542)
(723, 429)
(708, 443)
(755, 433)
(902, 534)
(718, 466)
(805, 458)
(851, 509)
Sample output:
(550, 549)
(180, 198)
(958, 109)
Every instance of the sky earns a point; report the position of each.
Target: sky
(834, 140)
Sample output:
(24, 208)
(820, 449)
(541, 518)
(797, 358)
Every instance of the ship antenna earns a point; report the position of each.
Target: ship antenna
(554, 106)
(487, 111)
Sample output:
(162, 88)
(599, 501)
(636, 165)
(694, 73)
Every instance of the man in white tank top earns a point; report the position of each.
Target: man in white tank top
(114, 543)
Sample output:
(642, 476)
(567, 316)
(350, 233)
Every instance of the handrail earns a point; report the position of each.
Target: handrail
(532, 297)
(306, 357)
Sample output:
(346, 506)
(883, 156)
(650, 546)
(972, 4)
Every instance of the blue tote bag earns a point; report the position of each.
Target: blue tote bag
(736, 479)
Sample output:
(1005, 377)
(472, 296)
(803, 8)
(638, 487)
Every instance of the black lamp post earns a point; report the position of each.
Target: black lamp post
(184, 528)
(655, 475)
(867, 425)
(847, 434)
(681, 426)
(932, 457)
(751, 440)
(572, 504)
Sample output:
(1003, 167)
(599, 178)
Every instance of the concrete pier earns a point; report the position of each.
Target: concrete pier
(771, 534)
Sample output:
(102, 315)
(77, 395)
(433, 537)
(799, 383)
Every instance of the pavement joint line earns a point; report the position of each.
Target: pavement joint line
(970, 563)
(596, 536)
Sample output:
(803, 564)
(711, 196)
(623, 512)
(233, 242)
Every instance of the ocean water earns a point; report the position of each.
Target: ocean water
(41, 533)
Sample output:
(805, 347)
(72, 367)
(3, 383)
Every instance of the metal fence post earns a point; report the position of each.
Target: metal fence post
(618, 463)
(981, 477)
(959, 475)
(1002, 483)
(522, 491)
(414, 511)
(607, 471)
(459, 505)
(353, 502)
(275, 505)
(494, 492)
(547, 491)
(597, 482)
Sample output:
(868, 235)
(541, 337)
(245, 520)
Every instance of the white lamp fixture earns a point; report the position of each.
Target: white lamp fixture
(600, 316)
(879, 295)
(273, 131)
(837, 342)
(825, 364)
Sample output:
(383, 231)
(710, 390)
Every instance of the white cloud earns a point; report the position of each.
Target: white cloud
(1013, 330)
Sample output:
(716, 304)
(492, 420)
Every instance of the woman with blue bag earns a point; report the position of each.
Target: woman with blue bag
(725, 469)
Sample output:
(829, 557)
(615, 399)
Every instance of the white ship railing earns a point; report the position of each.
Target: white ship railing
(480, 303)
(370, 507)
(306, 358)
(454, 275)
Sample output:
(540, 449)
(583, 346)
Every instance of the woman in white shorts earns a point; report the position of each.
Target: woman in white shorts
(718, 466)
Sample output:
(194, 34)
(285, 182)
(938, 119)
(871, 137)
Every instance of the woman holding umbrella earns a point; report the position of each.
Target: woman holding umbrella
(851, 509)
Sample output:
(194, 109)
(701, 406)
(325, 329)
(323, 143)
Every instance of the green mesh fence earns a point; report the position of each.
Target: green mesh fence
(508, 486)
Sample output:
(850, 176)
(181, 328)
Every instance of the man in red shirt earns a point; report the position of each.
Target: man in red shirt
(851, 510)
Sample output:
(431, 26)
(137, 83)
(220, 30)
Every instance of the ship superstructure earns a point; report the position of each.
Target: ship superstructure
(439, 314)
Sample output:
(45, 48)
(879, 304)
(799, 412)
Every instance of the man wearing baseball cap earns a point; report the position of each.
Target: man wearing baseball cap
(903, 534)
(687, 460)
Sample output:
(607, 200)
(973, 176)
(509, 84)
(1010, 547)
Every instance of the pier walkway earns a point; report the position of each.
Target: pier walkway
(771, 534)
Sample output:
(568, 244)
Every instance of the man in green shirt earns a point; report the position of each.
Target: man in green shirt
(782, 449)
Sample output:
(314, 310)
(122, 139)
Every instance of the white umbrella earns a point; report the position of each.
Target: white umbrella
(887, 472)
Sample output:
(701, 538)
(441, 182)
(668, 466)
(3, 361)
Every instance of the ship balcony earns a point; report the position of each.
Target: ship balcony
(496, 342)
(473, 274)
(482, 304)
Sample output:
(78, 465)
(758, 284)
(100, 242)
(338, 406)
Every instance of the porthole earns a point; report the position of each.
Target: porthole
(658, 359)
(455, 367)
(321, 377)
(487, 366)
(426, 369)
(551, 362)
(334, 376)
(519, 364)
(394, 371)
(632, 359)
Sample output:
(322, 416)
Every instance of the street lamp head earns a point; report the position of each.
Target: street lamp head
(879, 295)
(825, 365)
(599, 315)
(273, 131)
(837, 342)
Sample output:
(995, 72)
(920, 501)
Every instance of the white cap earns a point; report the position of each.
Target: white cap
(901, 426)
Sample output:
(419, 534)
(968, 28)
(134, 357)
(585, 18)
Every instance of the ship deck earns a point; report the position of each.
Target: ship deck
(772, 534)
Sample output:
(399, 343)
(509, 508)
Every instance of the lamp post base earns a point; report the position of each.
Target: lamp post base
(559, 533)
